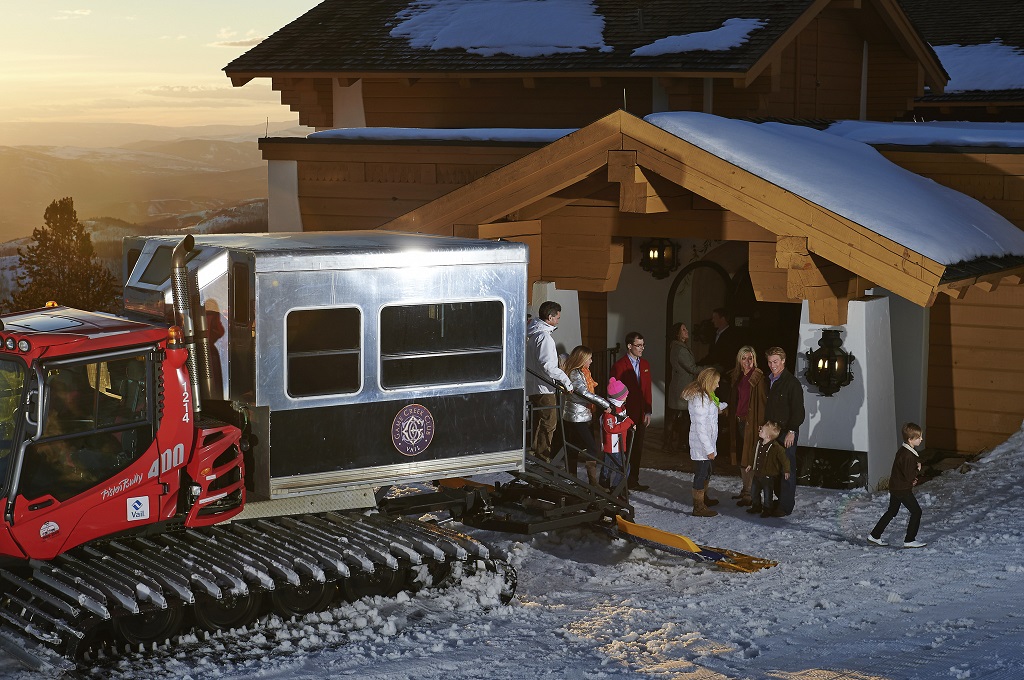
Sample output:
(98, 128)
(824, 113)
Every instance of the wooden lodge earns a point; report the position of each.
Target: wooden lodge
(597, 181)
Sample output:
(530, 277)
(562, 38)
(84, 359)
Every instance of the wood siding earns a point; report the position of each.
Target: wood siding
(362, 186)
(994, 178)
(975, 387)
(502, 102)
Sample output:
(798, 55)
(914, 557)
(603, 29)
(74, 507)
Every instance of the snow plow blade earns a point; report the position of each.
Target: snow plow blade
(683, 546)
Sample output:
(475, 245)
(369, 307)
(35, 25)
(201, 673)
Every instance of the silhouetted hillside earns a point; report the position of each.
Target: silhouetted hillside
(135, 185)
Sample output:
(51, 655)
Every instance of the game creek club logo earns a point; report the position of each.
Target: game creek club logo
(413, 430)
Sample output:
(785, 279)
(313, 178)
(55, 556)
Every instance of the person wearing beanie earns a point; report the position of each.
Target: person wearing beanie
(614, 427)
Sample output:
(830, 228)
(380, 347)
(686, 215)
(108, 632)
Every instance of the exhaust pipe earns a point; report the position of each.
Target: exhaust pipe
(180, 294)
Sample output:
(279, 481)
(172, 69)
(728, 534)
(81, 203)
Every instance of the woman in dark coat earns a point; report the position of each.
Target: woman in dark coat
(747, 410)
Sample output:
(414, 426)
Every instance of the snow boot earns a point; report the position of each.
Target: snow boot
(699, 507)
(708, 501)
(592, 473)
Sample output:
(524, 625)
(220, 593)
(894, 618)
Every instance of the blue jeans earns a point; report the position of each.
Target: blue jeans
(787, 487)
(701, 473)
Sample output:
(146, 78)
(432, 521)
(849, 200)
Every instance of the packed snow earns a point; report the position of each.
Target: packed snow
(992, 66)
(732, 33)
(520, 28)
(594, 607)
(949, 133)
(854, 181)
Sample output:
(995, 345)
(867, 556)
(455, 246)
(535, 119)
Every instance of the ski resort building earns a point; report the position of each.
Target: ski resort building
(770, 145)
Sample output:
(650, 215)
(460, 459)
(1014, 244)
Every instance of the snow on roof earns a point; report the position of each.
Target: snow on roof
(513, 27)
(949, 133)
(992, 66)
(855, 181)
(732, 33)
(446, 135)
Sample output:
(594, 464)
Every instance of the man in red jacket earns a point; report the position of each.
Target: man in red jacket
(635, 373)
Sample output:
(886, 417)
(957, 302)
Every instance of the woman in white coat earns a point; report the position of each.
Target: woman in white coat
(704, 407)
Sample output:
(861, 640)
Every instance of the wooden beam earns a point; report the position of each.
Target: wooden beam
(349, 82)
(529, 83)
(239, 81)
(636, 194)
(408, 82)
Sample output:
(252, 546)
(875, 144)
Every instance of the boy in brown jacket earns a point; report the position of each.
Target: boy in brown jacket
(770, 466)
(901, 489)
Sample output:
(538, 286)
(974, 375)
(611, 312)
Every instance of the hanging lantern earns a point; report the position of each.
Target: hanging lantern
(829, 367)
(660, 257)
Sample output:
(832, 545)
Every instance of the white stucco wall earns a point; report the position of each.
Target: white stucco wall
(908, 324)
(349, 111)
(283, 212)
(862, 415)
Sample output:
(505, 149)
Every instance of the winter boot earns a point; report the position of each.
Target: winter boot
(744, 497)
(707, 499)
(699, 507)
(592, 473)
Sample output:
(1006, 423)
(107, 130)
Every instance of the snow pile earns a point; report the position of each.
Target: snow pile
(992, 66)
(520, 28)
(591, 607)
(853, 180)
(732, 33)
(950, 133)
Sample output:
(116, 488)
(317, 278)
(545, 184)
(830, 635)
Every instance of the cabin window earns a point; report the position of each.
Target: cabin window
(97, 421)
(441, 344)
(323, 351)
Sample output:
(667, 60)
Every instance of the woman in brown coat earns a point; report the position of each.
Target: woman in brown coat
(747, 408)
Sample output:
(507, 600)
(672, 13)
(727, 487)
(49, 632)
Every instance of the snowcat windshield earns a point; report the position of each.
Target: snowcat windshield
(12, 382)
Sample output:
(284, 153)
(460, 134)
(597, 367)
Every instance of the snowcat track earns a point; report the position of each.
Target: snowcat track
(49, 618)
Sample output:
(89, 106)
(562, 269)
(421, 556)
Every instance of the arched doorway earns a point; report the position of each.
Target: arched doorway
(705, 284)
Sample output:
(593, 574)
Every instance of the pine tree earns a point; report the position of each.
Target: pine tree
(61, 266)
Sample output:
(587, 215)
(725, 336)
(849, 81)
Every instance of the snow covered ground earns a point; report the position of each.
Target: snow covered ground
(590, 607)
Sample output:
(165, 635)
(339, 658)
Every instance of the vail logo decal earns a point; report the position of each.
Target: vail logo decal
(412, 430)
(138, 508)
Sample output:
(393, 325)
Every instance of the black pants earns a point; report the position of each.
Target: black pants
(637, 451)
(896, 499)
(581, 436)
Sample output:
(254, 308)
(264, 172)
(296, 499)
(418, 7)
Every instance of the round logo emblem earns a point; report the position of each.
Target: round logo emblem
(48, 529)
(413, 430)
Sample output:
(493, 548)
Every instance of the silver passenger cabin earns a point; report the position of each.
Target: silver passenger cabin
(358, 358)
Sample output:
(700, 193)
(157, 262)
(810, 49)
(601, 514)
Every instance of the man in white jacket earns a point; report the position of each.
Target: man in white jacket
(542, 358)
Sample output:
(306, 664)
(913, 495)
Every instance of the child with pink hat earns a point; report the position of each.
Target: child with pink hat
(614, 427)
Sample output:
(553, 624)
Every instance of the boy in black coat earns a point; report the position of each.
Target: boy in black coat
(901, 489)
(770, 467)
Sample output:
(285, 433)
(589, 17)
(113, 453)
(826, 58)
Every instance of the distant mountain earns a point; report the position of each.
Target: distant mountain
(150, 181)
(119, 134)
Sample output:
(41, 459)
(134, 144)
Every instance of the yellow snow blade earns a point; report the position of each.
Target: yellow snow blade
(675, 543)
(653, 535)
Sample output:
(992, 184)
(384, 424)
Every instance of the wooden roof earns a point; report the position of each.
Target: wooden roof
(352, 38)
(820, 254)
(956, 22)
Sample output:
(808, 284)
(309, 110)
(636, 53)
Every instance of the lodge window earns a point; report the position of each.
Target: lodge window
(323, 347)
(441, 344)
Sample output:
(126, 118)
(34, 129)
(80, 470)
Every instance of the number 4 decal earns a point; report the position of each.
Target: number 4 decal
(169, 459)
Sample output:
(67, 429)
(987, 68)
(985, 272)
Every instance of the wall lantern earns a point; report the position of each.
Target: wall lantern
(830, 366)
(660, 258)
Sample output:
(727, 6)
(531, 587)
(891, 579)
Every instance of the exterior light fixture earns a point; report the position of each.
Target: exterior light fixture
(660, 258)
(829, 367)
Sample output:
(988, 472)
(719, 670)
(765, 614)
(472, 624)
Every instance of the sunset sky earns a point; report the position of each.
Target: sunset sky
(148, 61)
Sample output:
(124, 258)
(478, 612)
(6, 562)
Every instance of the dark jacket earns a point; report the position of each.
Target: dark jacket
(771, 460)
(904, 470)
(785, 404)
